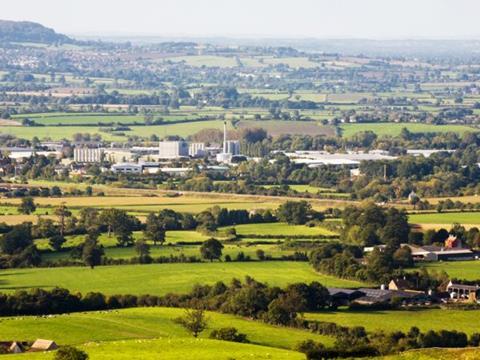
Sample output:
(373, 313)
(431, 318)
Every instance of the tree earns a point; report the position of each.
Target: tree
(70, 353)
(56, 241)
(211, 249)
(62, 212)
(17, 239)
(294, 212)
(228, 334)
(92, 253)
(143, 251)
(194, 321)
(27, 206)
(154, 229)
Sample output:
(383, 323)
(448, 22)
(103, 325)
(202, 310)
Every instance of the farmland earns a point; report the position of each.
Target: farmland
(403, 320)
(467, 270)
(447, 218)
(394, 129)
(163, 278)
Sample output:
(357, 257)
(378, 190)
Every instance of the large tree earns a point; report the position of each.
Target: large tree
(211, 249)
(27, 206)
(154, 229)
(92, 252)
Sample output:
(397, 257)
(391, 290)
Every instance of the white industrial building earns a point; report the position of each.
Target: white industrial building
(230, 147)
(127, 168)
(196, 149)
(172, 149)
(86, 155)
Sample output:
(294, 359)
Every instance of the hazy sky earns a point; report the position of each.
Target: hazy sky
(280, 18)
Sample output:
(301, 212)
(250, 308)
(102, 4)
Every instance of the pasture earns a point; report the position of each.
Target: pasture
(141, 323)
(159, 279)
(435, 354)
(173, 349)
(394, 129)
(281, 229)
(403, 320)
(466, 270)
(447, 218)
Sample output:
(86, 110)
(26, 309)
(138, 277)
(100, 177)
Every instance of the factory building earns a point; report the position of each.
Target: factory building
(172, 149)
(86, 155)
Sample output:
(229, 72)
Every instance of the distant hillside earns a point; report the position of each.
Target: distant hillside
(26, 31)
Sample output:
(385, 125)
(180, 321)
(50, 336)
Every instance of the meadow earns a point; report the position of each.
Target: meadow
(173, 349)
(159, 279)
(281, 229)
(394, 129)
(437, 354)
(447, 218)
(403, 320)
(466, 270)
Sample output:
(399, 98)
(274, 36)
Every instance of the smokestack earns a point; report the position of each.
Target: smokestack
(224, 137)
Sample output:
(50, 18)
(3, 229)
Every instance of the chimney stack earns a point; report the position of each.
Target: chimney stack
(224, 137)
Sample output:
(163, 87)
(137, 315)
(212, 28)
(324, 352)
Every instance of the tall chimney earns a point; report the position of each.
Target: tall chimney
(224, 137)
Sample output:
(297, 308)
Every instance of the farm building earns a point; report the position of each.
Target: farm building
(440, 253)
(43, 345)
(463, 292)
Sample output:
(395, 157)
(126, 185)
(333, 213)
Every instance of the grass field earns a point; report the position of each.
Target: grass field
(446, 218)
(173, 349)
(140, 323)
(437, 354)
(393, 320)
(67, 132)
(394, 129)
(467, 270)
(160, 279)
(284, 229)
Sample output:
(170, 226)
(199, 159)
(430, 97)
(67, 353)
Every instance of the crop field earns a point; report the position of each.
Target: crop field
(394, 129)
(274, 229)
(159, 279)
(403, 320)
(466, 270)
(447, 218)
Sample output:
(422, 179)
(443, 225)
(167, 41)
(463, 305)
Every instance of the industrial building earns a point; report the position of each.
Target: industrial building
(86, 155)
(172, 149)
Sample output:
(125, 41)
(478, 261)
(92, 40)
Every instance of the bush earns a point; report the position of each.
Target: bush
(70, 353)
(228, 334)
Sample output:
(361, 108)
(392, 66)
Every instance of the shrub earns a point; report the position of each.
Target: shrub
(228, 334)
(70, 353)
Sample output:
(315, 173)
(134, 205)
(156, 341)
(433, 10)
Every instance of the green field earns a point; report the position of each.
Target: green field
(173, 349)
(403, 320)
(446, 218)
(467, 270)
(394, 129)
(67, 132)
(159, 279)
(437, 354)
(279, 229)
(139, 323)
(152, 330)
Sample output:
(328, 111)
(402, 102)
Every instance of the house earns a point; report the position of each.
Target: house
(399, 284)
(43, 345)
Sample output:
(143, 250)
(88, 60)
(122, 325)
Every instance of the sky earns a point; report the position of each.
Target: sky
(373, 19)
